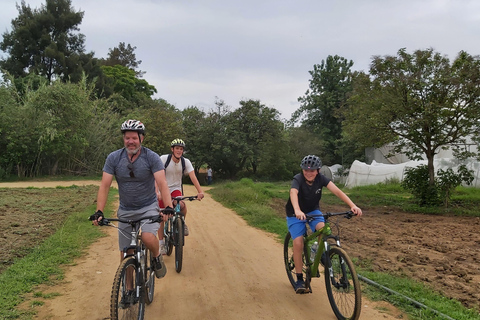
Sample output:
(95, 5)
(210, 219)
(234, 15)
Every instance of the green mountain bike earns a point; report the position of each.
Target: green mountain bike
(341, 281)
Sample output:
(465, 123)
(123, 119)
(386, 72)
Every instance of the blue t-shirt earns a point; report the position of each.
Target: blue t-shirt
(137, 192)
(308, 196)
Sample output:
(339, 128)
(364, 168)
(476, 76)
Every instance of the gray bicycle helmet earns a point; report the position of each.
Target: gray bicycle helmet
(133, 125)
(311, 162)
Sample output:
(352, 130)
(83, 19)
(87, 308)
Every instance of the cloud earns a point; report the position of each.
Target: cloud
(194, 51)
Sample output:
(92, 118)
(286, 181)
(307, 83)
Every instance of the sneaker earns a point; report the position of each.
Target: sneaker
(300, 286)
(185, 230)
(128, 299)
(159, 266)
(163, 249)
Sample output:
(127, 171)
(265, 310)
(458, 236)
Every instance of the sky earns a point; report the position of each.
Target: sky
(196, 52)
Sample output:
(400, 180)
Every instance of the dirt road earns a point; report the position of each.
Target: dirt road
(230, 271)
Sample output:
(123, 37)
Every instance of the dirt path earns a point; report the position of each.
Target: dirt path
(230, 271)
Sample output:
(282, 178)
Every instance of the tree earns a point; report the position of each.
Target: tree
(122, 80)
(43, 41)
(327, 93)
(240, 137)
(197, 137)
(419, 102)
(124, 55)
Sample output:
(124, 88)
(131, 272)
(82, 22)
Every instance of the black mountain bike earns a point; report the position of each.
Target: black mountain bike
(174, 232)
(134, 282)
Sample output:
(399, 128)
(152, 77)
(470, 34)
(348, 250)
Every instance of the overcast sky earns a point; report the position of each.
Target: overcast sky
(194, 51)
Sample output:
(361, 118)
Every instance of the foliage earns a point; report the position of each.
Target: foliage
(244, 137)
(420, 103)
(163, 123)
(447, 181)
(43, 41)
(125, 56)
(123, 80)
(416, 181)
(319, 111)
(54, 128)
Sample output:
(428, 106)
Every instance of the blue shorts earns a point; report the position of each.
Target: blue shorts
(298, 228)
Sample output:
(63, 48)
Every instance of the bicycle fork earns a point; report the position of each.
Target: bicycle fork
(344, 283)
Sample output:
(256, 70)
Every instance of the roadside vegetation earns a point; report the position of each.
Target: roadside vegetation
(262, 206)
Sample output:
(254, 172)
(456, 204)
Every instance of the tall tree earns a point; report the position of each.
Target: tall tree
(327, 93)
(43, 41)
(420, 102)
(124, 55)
(239, 134)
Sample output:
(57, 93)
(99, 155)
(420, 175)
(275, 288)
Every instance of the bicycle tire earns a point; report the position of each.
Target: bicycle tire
(179, 241)
(122, 307)
(169, 236)
(148, 275)
(290, 264)
(342, 285)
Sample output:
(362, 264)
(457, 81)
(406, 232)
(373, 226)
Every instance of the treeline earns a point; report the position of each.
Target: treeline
(61, 108)
(62, 128)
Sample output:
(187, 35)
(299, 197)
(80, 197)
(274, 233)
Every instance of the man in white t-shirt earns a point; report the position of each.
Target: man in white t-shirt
(176, 166)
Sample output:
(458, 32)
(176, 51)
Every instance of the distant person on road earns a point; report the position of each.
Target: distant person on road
(137, 170)
(209, 175)
(176, 166)
(305, 195)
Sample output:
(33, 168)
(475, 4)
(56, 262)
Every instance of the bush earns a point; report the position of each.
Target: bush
(416, 181)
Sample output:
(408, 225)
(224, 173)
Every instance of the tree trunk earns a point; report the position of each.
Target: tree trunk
(431, 168)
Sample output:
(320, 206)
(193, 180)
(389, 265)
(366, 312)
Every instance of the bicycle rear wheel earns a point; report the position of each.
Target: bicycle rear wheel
(169, 236)
(179, 240)
(148, 274)
(343, 287)
(290, 264)
(127, 300)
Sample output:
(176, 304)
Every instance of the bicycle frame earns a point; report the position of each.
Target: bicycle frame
(326, 233)
(323, 243)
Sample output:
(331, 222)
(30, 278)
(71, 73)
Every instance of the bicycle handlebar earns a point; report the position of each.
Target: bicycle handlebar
(348, 214)
(155, 218)
(189, 198)
(107, 221)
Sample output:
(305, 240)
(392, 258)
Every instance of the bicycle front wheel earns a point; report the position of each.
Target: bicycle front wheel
(343, 287)
(290, 264)
(179, 240)
(127, 299)
(148, 274)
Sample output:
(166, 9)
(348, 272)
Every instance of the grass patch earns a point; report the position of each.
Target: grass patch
(418, 292)
(43, 263)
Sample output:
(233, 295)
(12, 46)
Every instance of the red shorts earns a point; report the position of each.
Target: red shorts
(175, 193)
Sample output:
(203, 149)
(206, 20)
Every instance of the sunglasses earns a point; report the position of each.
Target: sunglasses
(130, 167)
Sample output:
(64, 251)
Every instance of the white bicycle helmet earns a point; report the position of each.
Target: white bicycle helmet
(133, 125)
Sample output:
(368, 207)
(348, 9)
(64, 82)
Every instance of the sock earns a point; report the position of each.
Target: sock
(162, 241)
(300, 276)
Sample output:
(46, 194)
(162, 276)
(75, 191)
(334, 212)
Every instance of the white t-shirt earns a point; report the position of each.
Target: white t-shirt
(173, 172)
